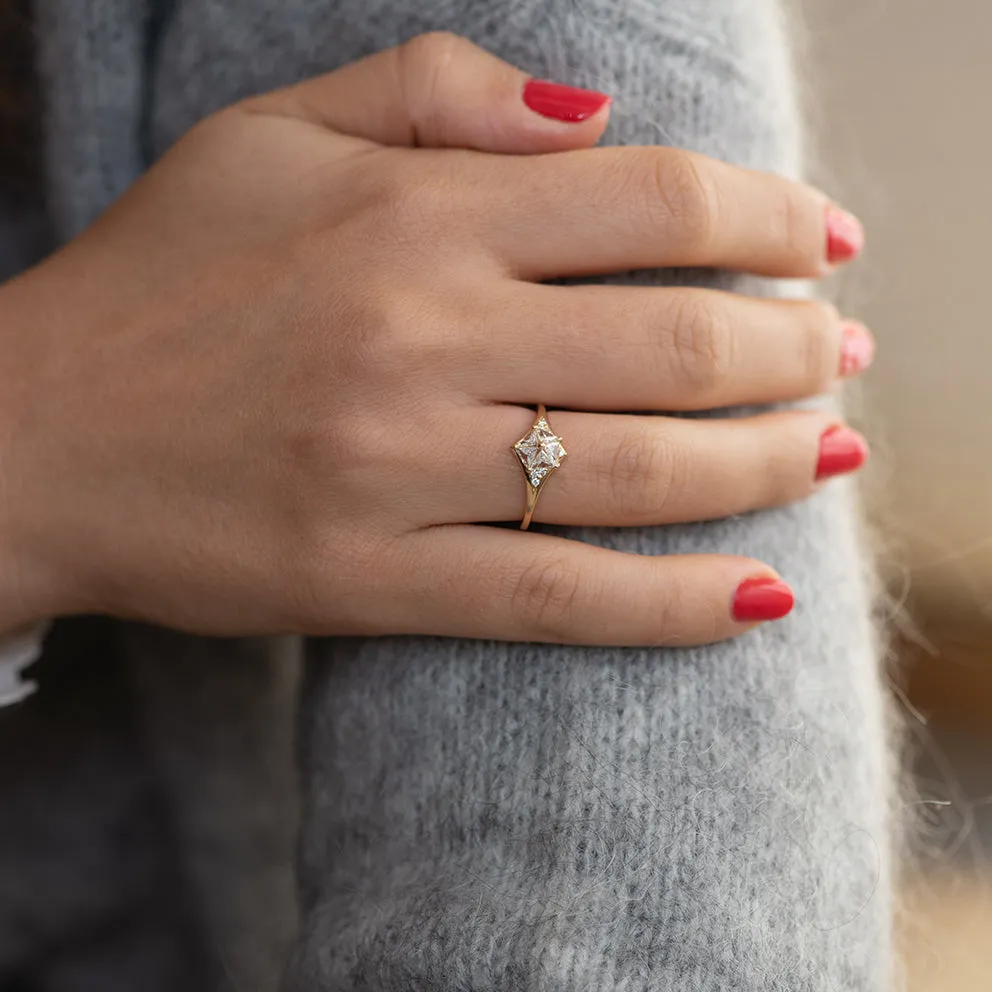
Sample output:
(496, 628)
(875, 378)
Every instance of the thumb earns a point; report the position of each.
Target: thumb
(439, 90)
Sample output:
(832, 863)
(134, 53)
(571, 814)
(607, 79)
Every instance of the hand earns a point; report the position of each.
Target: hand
(275, 387)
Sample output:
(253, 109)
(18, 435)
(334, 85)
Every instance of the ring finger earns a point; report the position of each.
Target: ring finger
(628, 470)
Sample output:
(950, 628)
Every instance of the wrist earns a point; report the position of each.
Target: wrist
(31, 585)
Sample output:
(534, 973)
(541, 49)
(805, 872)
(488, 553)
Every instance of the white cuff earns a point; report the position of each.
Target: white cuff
(17, 651)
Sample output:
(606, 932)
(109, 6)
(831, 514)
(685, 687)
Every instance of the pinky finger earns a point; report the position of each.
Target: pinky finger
(465, 580)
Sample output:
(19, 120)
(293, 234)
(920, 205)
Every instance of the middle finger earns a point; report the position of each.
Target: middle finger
(636, 348)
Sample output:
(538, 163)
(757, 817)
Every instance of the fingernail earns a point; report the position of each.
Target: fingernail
(563, 103)
(841, 450)
(845, 235)
(762, 598)
(857, 350)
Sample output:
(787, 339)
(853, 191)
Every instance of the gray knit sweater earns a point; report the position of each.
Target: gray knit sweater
(476, 816)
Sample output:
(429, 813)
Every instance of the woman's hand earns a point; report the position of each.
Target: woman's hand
(276, 386)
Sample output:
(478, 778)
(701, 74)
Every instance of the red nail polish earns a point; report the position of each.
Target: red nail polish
(841, 450)
(762, 598)
(845, 236)
(857, 349)
(563, 103)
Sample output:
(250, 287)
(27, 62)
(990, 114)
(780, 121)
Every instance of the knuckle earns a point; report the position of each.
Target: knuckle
(408, 208)
(704, 344)
(433, 49)
(329, 440)
(819, 360)
(416, 343)
(673, 609)
(396, 339)
(641, 476)
(546, 595)
(686, 199)
(412, 205)
(783, 460)
(424, 65)
(392, 329)
(323, 445)
(791, 221)
(386, 340)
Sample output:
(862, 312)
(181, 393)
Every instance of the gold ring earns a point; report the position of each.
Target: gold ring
(540, 452)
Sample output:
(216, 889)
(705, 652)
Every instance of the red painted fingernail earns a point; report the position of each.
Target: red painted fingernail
(857, 350)
(841, 450)
(563, 103)
(762, 598)
(845, 235)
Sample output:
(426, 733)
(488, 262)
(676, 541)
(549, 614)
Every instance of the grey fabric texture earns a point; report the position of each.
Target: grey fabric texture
(91, 894)
(478, 815)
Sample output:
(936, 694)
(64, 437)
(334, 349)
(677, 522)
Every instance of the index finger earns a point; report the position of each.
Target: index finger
(605, 210)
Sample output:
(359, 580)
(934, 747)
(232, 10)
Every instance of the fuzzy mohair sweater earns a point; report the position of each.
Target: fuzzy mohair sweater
(476, 816)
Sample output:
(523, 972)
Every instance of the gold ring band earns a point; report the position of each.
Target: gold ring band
(540, 452)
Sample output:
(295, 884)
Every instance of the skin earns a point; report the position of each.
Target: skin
(275, 386)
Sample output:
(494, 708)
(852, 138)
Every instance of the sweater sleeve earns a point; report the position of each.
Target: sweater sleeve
(18, 651)
(494, 816)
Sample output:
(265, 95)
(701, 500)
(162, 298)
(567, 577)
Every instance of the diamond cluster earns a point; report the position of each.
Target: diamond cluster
(540, 452)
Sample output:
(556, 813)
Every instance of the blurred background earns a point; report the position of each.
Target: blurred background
(899, 94)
